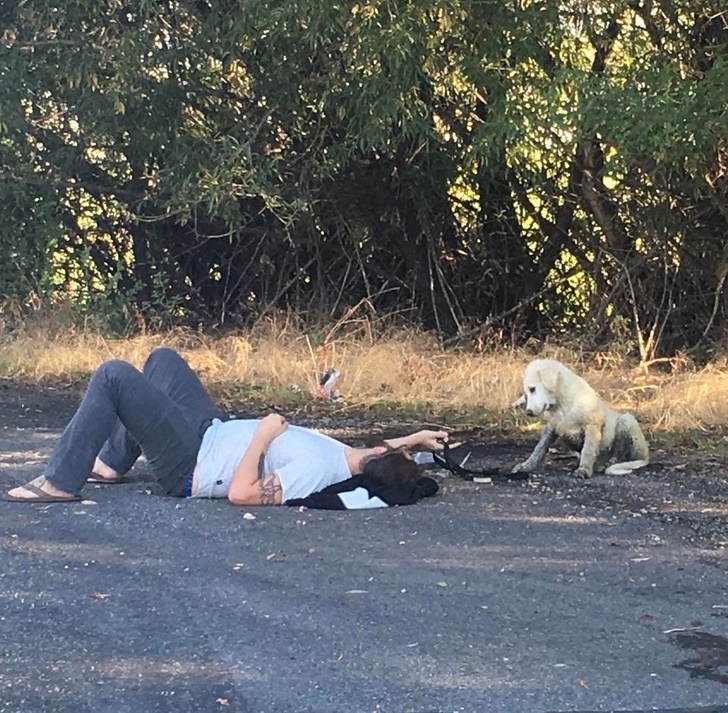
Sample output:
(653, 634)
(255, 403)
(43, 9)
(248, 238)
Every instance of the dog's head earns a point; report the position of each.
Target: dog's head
(540, 387)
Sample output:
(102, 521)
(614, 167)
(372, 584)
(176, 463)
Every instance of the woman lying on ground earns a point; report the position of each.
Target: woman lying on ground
(166, 413)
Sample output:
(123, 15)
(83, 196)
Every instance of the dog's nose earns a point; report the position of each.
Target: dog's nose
(529, 412)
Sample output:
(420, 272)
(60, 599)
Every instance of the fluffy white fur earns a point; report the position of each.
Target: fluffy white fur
(571, 410)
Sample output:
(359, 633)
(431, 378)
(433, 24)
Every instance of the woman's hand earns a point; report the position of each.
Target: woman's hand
(271, 426)
(432, 440)
(423, 440)
(251, 485)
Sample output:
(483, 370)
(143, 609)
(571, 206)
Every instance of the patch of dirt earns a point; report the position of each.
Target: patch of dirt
(25, 405)
(686, 489)
(689, 490)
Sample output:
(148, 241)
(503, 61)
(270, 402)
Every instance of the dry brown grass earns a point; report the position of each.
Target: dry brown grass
(402, 367)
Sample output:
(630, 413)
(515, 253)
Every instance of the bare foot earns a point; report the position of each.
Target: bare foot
(102, 472)
(41, 483)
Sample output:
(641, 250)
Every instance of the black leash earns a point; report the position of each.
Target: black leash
(488, 475)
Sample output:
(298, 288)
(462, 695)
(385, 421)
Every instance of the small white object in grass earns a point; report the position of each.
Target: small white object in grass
(327, 385)
(248, 516)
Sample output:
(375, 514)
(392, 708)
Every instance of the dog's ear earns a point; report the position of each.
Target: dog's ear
(549, 378)
(520, 401)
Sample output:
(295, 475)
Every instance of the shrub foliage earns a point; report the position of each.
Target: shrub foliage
(535, 166)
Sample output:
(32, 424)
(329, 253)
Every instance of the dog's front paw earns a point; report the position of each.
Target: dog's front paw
(583, 473)
(524, 467)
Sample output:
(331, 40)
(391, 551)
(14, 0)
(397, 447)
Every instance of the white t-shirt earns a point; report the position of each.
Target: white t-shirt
(304, 460)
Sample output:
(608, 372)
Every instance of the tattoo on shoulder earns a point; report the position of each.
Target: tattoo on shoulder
(269, 488)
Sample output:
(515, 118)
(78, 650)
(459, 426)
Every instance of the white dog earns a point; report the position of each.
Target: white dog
(572, 410)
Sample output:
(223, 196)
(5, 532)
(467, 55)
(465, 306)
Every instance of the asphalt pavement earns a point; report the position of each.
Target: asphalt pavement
(485, 598)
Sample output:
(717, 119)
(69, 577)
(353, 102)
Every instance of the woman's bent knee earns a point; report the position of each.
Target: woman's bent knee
(113, 375)
(114, 368)
(159, 356)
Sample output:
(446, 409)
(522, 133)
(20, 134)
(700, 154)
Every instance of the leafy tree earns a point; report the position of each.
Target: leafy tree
(536, 166)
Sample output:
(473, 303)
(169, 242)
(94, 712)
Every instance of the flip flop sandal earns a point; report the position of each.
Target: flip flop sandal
(41, 496)
(95, 478)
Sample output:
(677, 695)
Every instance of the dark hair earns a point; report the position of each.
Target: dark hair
(392, 467)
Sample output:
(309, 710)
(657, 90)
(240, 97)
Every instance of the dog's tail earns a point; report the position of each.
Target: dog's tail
(626, 468)
(629, 431)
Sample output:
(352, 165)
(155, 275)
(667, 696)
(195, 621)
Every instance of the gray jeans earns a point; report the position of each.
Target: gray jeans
(162, 412)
